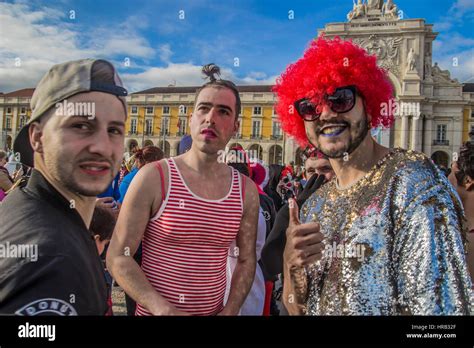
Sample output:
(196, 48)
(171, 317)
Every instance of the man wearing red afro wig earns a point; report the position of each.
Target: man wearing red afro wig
(386, 236)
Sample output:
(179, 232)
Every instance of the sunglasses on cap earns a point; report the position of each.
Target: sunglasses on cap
(341, 101)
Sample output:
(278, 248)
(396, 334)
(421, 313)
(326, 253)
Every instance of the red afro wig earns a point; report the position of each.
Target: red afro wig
(325, 66)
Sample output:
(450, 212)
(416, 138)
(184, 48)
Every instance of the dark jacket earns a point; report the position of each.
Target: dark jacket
(59, 271)
(272, 252)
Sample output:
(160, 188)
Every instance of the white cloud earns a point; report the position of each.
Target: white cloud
(456, 15)
(461, 7)
(459, 64)
(42, 38)
(449, 43)
(185, 74)
(165, 53)
(454, 52)
(123, 45)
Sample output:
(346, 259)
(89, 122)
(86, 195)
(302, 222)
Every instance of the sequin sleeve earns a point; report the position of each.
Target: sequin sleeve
(429, 260)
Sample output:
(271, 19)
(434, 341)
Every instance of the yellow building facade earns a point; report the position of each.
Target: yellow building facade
(160, 116)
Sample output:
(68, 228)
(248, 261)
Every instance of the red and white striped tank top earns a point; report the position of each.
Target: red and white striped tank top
(185, 245)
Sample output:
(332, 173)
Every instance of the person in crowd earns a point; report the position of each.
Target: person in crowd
(6, 181)
(142, 157)
(273, 181)
(462, 178)
(110, 197)
(101, 228)
(185, 144)
(148, 154)
(254, 304)
(188, 210)
(390, 218)
(317, 163)
(286, 186)
(316, 174)
(75, 157)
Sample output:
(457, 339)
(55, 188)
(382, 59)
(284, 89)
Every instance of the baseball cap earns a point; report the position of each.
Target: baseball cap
(63, 81)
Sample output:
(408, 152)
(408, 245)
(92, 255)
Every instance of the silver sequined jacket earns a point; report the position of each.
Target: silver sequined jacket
(394, 243)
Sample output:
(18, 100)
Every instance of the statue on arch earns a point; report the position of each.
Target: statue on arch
(441, 75)
(358, 11)
(411, 60)
(374, 4)
(390, 10)
(427, 67)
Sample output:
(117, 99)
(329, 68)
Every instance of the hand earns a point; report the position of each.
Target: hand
(304, 242)
(106, 202)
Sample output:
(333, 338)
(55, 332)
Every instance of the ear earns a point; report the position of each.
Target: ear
(369, 121)
(35, 132)
(469, 183)
(369, 116)
(236, 125)
(97, 238)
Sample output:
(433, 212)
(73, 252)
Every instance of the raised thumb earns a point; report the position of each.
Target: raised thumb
(294, 212)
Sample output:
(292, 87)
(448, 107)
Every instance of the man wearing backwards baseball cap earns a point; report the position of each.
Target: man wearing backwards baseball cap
(391, 221)
(50, 264)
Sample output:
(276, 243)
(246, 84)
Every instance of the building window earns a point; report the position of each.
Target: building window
(133, 126)
(165, 126)
(9, 110)
(257, 110)
(149, 110)
(255, 129)
(276, 131)
(8, 123)
(149, 127)
(166, 110)
(471, 133)
(23, 111)
(441, 132)
(134, 110)
(183, 110)
(22, 122)
(182, 123)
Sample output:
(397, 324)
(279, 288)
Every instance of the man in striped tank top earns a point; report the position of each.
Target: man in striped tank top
(188, 210)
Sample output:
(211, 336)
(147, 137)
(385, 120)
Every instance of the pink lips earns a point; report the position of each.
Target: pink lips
(209, 133)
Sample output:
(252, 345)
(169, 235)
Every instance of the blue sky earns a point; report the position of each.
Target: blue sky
(153, 45)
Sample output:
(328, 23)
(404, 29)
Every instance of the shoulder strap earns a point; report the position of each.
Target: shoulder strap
(242, 179)
(162, 181)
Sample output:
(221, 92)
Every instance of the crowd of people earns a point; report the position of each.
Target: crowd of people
(357, 229)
